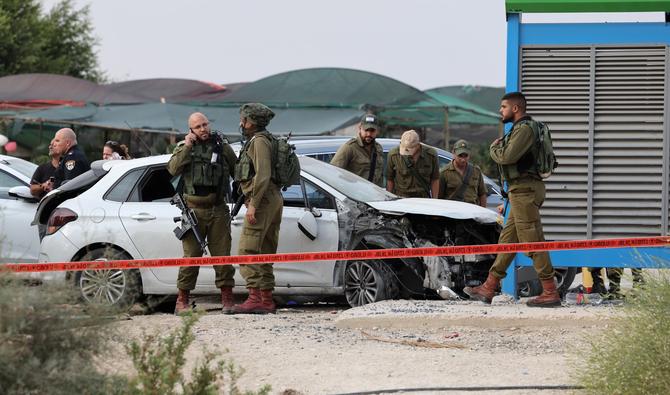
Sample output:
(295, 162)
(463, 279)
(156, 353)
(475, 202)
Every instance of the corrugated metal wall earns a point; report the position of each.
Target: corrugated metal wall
(606, 109)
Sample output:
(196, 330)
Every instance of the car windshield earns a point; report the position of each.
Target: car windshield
(347, 183)
(24, 167)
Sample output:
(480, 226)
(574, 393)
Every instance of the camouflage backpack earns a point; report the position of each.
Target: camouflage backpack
(285, 163)
(545, 160)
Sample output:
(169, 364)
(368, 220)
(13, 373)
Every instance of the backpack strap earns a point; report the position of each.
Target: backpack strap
(460, 192)
(416, 175)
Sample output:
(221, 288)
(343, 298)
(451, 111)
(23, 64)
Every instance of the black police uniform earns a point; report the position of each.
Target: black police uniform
(72, 164)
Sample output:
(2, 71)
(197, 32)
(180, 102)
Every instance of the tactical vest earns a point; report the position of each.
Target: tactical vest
(526, 164)
(244, 170)
(203, 174)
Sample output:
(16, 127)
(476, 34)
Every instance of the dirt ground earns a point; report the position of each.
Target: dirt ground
(419, 346)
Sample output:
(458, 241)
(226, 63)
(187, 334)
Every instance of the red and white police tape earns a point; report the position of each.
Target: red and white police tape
(659, 241)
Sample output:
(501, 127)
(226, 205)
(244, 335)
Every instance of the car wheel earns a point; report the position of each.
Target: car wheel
(118, 288)
(368, 282)
(564, 278)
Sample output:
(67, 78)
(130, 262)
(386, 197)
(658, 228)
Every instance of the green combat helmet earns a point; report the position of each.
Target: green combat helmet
(259, 114)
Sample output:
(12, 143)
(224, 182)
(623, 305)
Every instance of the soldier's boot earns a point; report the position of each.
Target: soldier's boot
(615, 291)
(227, 300)
(267, 301)
(253, 304)
(598, 283)
(182, 305)
(549, 296)
(638, 278)
(485, 292)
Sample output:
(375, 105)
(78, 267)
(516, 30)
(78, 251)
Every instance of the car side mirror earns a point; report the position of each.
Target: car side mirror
(307, 225)
(23, 193)
(316, 212)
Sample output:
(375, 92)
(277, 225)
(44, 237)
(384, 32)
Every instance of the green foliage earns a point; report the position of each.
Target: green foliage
(482, 158)
(158, 361)
(48, 344)
(59, 42)
(633, 355)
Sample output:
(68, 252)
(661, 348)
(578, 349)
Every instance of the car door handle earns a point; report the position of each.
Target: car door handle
(237, 222)
(143, 217)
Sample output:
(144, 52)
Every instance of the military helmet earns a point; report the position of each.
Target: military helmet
(259, 114)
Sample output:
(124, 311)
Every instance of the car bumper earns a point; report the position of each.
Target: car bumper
(54, 248)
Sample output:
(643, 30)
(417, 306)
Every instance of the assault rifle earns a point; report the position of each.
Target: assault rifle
(189, 222)
(238, 205)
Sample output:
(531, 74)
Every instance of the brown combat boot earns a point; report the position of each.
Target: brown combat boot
(227, 300)
(549, 296)
(253, 304)
(485, 292)
(267, 301)
(182, 305)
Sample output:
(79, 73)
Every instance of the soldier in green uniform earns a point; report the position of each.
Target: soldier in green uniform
(461, 180)
(614, 276)
(515, 153)
(264, 203)
(412, 169)
(205, 162)
(362, 155)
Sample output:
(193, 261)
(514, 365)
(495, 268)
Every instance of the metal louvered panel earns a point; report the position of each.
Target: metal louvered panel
(628, 171)
(607, 108)
(556, 83)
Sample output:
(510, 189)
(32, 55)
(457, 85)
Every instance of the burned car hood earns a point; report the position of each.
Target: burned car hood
(440, 207)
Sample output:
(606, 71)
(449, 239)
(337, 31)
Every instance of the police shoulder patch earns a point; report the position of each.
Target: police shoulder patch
(70, 164)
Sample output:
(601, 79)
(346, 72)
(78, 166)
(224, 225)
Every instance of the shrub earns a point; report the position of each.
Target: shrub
(48, 343)
(158, 361)
(633, 355)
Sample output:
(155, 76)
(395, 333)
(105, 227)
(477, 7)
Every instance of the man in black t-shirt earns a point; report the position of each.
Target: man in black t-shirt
(43, 178)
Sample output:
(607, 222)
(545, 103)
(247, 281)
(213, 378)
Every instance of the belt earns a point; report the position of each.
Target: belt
(194, 201)
(199, 205)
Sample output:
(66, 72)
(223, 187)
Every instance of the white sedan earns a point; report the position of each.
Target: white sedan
(19, 241)
(121, 210)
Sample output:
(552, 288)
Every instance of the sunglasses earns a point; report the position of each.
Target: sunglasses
(463, 155)
(112, 143)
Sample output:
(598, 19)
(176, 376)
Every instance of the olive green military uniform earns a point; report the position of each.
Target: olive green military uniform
(451, 181)
(205, 186)
(526, 192)
(254, 172)
(405, 183)
(353, 156)
(614, 275)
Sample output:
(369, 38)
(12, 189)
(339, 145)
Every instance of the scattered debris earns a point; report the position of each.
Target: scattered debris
(502, 300)
(416, 343)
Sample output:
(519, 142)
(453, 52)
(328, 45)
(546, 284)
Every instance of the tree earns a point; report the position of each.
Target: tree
(59, 42)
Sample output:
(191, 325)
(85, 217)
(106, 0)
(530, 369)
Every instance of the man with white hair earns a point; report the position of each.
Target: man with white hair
(73, 162)
(412, 169)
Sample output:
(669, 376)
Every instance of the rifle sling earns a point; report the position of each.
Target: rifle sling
(459, 194)
(415, 174)
(373, 164)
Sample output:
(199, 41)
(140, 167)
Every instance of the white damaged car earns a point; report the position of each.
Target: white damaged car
(121, 210)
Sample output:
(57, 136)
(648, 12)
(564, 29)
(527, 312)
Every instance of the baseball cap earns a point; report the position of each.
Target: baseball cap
(409, 142)
(461, 147)
(370, 121)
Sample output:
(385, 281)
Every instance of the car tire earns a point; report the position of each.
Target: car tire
(368, 282)
(564, 278)
(115, 287)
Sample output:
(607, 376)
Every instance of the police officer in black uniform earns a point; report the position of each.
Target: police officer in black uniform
(73, 162)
